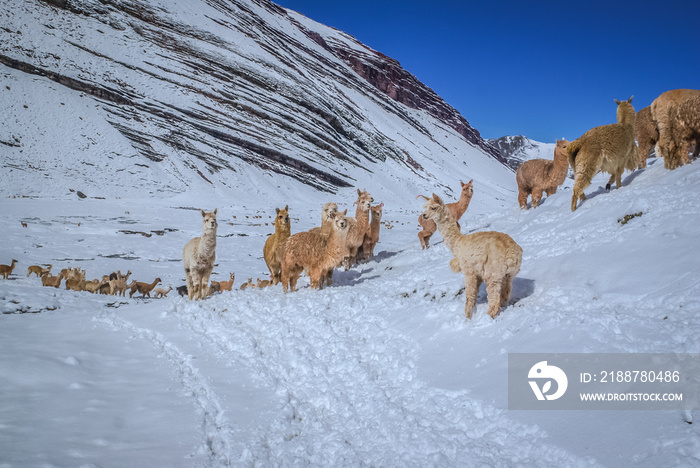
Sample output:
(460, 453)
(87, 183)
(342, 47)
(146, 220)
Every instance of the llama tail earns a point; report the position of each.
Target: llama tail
(572, 151)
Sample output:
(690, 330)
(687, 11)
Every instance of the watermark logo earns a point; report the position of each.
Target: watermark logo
(546, 374)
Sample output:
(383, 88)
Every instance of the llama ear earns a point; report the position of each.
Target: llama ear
(216, 210)
(438, 199)
(422, 196)
(277, 211)
(616, 102)
(358, 192)
(203, 213)
(630, 99)
(471, 182)
(345, 212)
(286, 207)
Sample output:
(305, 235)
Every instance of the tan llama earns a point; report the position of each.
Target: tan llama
(160, 292)
(273, 243)
(647, 135)
(490, 257)
(315, 252)
(542, 175)
(198, 257)
(6, 270)
(358, 227)
(51, 281)
(227, 285)
(374, 226)
(608, 148)
(38, 270)
(328, 212)
(248, 284)
(675, 121)
(457, 209)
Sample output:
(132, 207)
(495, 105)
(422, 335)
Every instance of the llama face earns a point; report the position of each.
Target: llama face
(282, 218)
(339, 221)
(467, 189)
(329, 211)
(432, 208)
(209, 220)
(364, 200)
(377, 211)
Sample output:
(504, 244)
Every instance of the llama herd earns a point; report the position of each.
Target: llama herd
(671, 124)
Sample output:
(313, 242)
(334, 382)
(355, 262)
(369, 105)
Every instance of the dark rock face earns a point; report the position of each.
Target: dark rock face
(235, 88)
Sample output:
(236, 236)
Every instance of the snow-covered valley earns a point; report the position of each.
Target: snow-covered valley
(380, 369)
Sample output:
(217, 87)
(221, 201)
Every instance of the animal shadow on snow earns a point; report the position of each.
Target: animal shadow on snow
(625, 182)
(355, 276)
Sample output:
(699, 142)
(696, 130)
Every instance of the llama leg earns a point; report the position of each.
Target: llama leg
(494, 289)
(522, 198)
(204, 288)
(506, 289)
(536, 196)
(471, 290)
(193, 292)
(579, 186)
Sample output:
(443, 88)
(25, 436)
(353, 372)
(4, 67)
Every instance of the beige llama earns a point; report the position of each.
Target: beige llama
(198, 258)
(314, 251)
(457, 209)
(374, 226)
(491, 257)
(542, 175)
(272, 244)
(608, 148)
(670, 120)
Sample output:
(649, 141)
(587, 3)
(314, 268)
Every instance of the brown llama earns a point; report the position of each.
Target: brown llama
(608, 148)
(457, 209)
(282, 232)
(542, 175)
(490, 257)
(6, 270)
(358, 227)
(647, 135)
(315, 252)
(374, 226)
(51, 281)
(198, 257)
(143, 288)
(327, 219)
(677, 125)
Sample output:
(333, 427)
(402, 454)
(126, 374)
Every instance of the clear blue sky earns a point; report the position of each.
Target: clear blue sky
(541, 68)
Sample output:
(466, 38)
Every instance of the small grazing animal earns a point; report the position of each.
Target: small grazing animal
(542, 175)
(143, 288)
(38, 270)
(198, 257)
(6, 270)
(263, 283)
(160, 292)
(227, 285)
(248, 284)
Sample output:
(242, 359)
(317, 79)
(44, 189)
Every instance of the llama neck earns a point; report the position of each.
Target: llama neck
(374, 224)
(448, 227)
(362, 218)
(560, 167)
(460, 206)
(284, 229)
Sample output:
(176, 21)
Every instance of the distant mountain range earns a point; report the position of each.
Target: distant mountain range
(517, 149)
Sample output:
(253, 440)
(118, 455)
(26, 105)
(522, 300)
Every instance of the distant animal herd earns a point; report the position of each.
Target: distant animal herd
(671, 125)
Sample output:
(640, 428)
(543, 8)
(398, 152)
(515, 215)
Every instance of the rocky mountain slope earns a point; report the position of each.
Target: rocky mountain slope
(205, 93)
(517, 149)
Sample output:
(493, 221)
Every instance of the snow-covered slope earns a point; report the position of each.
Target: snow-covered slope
(213, 95)
(380, 369)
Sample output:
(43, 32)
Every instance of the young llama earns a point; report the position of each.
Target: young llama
(198, 258)
(492, 257)
(608, 148)
(538, 175)
(374, 226)
(457, 209)
(273, 243)
(314, 251)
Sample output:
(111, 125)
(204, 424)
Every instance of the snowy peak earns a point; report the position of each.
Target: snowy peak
(517, 149)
